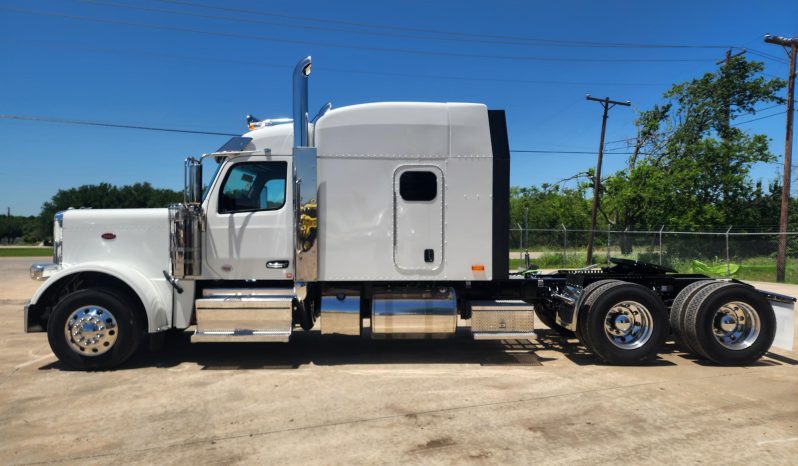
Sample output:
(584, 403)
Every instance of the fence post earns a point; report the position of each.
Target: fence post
(564, 244)
(526, 238)
(660, 244)
(728, 260)
(608, 243)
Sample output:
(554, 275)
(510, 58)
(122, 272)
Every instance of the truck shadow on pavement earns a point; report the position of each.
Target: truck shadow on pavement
(308, 348)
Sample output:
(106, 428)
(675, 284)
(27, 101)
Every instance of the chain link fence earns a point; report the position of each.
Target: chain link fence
(727, 253)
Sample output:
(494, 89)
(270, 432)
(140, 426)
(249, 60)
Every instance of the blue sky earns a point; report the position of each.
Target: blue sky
(205, 69)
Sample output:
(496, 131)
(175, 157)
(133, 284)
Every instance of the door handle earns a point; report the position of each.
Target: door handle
(277, 265)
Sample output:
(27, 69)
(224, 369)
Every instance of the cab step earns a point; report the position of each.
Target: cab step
(244, 315)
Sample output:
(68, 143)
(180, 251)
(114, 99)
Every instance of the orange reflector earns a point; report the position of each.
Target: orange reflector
(477, 268)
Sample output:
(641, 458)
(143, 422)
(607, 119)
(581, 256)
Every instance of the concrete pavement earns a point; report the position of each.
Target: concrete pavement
(352, 401)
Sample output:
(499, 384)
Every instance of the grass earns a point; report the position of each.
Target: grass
(761, 269)
(25, 252)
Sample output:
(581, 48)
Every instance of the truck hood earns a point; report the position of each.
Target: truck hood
(137, 238)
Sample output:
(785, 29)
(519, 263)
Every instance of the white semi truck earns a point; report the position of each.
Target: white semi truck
(382, 219)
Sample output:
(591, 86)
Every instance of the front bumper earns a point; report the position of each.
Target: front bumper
(43, 271)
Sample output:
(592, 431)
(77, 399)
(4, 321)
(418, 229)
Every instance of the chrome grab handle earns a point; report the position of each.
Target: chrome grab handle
(277, 265)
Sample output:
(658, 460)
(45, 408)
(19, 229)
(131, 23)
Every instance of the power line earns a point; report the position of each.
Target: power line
(69, 121)
(550, 42)
(324, 69)
(345, 46)
(105, 124)
(737, 123)
(755, 111)
(767, 55)
(47, 119)
(580, 152)
(437, 35)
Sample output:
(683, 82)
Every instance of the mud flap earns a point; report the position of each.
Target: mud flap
(784, 308)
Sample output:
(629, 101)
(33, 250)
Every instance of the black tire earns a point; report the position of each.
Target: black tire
(579, 305)
(606, 300)
(548, 316)
(128, 334)
(583, 304)
(305, 313)
(678, 311)
(700, 320)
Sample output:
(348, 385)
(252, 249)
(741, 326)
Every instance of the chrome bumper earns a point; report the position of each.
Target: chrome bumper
(43, 271)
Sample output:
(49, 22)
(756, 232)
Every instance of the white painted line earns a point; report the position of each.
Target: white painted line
(34, 361)
(779, 440)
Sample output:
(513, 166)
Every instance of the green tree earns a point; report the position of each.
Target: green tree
(689, 165)
(104, 196)
(549, 207)
(14, 227)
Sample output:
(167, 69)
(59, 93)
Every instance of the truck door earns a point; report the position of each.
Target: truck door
(418, 218)
(250, 221)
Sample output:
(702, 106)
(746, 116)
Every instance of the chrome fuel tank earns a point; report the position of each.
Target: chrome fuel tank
(414, 313)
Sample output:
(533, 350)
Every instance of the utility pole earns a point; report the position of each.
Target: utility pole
(607, 104)
(727, 114)
(791, 45)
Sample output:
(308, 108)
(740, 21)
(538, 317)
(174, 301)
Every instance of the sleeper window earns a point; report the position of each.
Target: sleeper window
(418, 186)
(253, 186)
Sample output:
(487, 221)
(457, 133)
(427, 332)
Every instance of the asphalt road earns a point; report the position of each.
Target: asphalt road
(321, 400)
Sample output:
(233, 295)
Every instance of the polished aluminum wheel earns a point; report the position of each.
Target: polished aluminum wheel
(736, 325)
(91, 330)
(628, 325)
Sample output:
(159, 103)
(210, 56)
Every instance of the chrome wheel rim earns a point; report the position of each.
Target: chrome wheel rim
(736, 325)
(91, 330)
(628, 325)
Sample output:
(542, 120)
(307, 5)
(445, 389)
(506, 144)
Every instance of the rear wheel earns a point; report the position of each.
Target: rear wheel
(583, 303)
(626, 324)
(678, 311)
(94, 329)
(586, 299)
(730, 324)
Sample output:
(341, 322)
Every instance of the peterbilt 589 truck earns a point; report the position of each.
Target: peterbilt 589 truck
(386, 220)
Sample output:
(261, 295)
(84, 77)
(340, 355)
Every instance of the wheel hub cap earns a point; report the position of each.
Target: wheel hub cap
(91, 330)
(628, 325)
(623, 323)
(736, 325)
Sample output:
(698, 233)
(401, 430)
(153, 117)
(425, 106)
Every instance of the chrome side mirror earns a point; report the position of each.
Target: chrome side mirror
(193, 181)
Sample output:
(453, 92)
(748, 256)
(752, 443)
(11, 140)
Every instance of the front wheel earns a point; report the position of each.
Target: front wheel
(94, 329)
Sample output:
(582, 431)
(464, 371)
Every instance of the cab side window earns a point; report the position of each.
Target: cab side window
(418, 186)
(253, 186)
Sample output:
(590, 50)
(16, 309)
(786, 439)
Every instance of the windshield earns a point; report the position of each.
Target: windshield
(207, 185)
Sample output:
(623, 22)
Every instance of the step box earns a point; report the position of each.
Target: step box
(502, 319)
(244, 318)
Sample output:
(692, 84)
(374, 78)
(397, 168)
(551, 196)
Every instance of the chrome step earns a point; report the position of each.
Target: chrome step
(505, 336)
(210, 336)
(248, 292)
(245, 318)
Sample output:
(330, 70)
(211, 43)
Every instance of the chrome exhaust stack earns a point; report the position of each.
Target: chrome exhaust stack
(301, 76)
(306, 221)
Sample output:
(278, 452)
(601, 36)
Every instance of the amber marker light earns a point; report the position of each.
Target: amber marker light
(477, 268)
